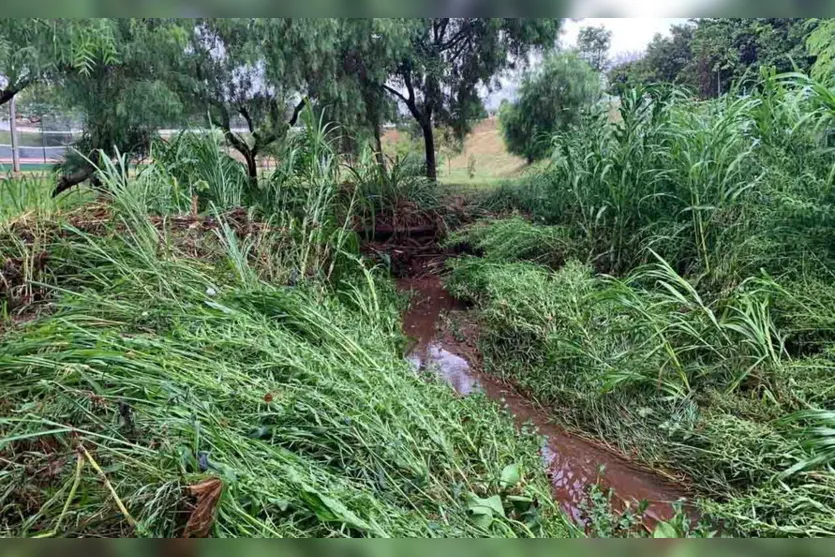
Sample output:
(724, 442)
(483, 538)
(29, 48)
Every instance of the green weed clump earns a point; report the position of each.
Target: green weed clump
(30, 194)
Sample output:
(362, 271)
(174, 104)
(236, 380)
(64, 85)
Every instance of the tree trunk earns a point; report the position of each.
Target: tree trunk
(67, 181)
(251, 166)
(429, 146)
(381, 159)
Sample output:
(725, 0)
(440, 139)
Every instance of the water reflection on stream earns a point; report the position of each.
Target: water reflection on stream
(572, 463)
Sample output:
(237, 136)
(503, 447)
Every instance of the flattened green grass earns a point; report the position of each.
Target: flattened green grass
(167, 372)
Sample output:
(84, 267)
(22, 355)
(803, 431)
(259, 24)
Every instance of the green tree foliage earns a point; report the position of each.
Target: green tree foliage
(123, 94)
(821, 44)
(258, 70)
(593, 44)
(34, 50)
(710, 55)
(448, 59)
(551, 100)
(353, 95)
(665, 61)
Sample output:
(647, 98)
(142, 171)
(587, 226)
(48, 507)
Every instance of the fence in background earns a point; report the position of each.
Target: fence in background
(41, 141)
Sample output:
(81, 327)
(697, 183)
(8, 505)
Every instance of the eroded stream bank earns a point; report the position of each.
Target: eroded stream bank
(445, 342)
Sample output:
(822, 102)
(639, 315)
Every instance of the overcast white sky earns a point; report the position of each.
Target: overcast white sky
(629, 34)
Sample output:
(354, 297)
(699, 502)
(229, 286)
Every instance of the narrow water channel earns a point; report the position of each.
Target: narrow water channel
(572, 464)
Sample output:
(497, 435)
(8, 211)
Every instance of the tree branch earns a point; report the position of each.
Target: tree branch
(239, 144)
(462, 33)
(67, 181)
(296, 112)
(11, 90)
(442, 29)
(407, 80)
(409, 102)
(6, 95)
(397, 93)
(245, 113)
(261, 140)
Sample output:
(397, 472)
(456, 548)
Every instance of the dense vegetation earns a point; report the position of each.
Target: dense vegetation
(674, 295)
(198, 345)
(174, 364)
(710, 55)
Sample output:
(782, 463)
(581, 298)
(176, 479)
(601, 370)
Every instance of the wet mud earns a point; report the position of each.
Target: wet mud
(573, 464)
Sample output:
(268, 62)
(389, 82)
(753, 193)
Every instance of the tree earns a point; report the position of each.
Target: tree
(439, 74)
(551, 100)
(353, 95)
(628, 70)
(821, 45)
(123, 94)
(593, 45)
(667, 57)
(258, 70)
(710, 55)
(37, 50)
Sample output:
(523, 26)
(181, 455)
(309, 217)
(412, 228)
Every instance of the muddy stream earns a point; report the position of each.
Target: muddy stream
(572, 464)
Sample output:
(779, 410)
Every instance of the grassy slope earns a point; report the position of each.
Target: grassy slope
(493, 164)
(288, 408)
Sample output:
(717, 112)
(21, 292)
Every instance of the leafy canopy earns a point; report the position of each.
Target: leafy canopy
(821, 44)
(254, 70)
(35, 50)
(710, 55)
(439, 76)
(124, 94)
(551, 100)
(593, 45)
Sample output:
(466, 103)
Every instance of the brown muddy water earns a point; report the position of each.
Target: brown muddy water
(573, 464)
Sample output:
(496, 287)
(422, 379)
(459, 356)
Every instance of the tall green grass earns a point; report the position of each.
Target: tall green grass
(31, 194)
(720, 188)
(705, 346)
(256, 364)
(672, 377)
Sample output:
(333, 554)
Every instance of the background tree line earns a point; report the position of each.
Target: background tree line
(710, 55)
(130, 76)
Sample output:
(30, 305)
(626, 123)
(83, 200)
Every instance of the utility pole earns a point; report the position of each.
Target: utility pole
(13, 130)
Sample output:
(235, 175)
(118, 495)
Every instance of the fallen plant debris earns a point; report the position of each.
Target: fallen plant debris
(207, 494)
(259, 366)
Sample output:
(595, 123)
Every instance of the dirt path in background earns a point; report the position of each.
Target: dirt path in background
(445, 342)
